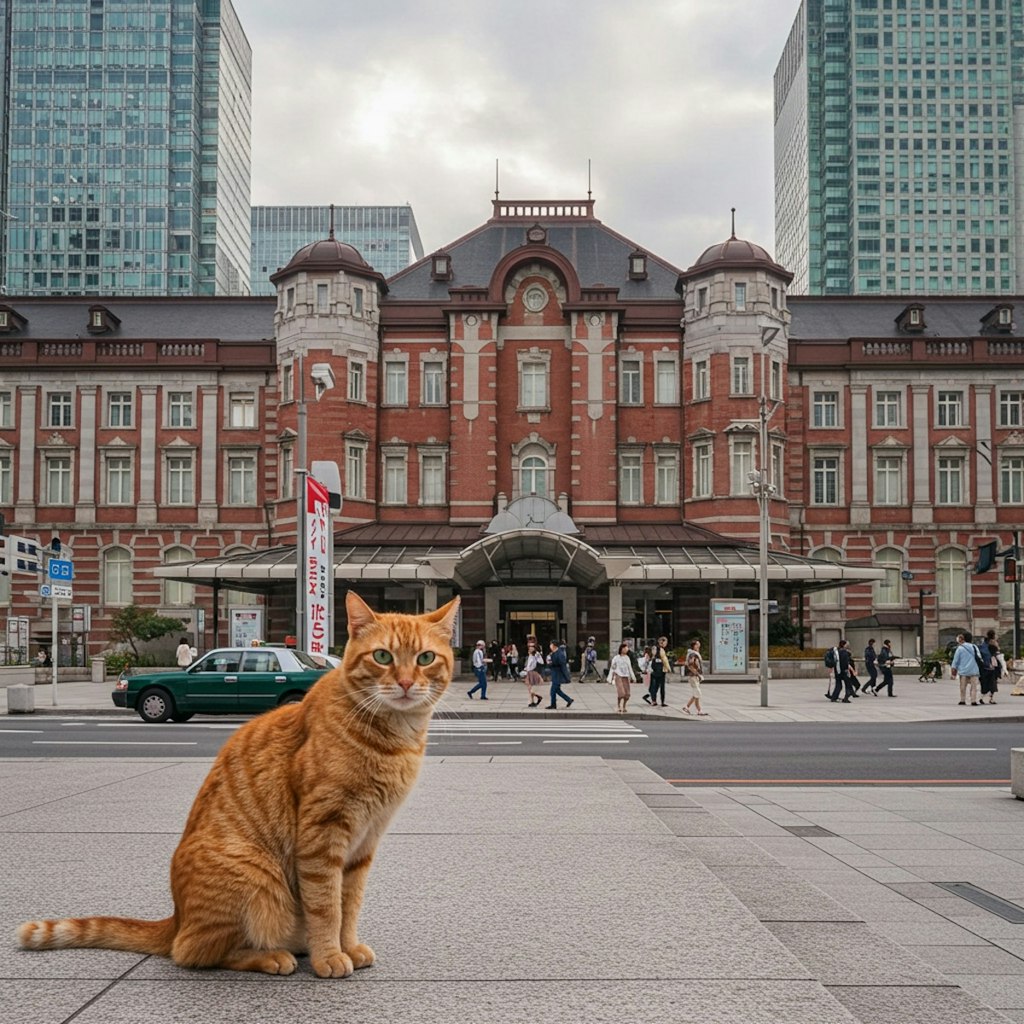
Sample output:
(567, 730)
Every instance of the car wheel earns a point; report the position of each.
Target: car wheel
(181, 716)
(155, 705)
(291, 698)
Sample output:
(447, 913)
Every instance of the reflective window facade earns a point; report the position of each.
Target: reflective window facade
(126, 148)
(386, 237)
(894, 147)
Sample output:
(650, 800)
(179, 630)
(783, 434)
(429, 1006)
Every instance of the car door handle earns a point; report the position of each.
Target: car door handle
(280, 679)
(231, 679)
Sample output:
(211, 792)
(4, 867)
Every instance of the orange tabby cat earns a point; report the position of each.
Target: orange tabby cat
(277, 847)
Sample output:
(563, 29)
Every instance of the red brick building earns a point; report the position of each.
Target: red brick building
(541, 416)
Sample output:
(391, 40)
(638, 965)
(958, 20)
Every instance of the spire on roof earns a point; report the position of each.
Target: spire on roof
(734, 222)
(330, 233)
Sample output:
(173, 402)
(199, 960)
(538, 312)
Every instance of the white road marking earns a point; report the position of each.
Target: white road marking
(40, 731)
(500, 743)
(586, 741)
(943, 748)
(115, 743)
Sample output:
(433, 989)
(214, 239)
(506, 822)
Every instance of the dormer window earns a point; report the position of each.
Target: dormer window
(999, 318)
(10, 320)
(441, 266)
(101, 320)
(911, 319)
(638, 266)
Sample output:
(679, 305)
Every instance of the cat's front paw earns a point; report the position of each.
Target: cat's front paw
(333, 964)
(362, 956)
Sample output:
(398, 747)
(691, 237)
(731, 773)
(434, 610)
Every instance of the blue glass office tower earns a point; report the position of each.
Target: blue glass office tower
(896, 128)
(126, 148)
(386, 236)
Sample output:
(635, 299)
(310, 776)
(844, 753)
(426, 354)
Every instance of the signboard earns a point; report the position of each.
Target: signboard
(317, 575)
(60, 569)
(730, 646)
(81, 618)
(246, 626)
(56, 590)
(17, 636)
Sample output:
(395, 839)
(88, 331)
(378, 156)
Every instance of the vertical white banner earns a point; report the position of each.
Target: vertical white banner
(317, 571)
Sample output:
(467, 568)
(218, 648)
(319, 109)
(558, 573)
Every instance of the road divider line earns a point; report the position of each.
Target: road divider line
(39, 731)
(586, 741)
(115, 743)
(840, 782)
(500, 743)
(943, 748)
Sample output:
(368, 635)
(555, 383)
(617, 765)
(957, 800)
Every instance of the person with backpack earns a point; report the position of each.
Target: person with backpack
(660, 668)
(840, 658)
(885, 662)
(989, 648)
(589, 660)
(967, 667)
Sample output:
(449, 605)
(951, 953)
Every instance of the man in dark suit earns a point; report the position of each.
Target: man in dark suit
(871, 664)
(559, 662)
(842, 674)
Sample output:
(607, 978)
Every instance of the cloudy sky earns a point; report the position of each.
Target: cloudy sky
(413, 101)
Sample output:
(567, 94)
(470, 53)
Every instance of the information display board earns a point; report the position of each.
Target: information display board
(730, 640)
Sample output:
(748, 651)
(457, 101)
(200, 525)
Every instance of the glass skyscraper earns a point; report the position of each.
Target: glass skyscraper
(896, 125)
(125, 148)
(386, 237)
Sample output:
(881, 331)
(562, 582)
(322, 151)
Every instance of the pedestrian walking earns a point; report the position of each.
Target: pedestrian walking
(480, 663)
(513, 660)
(841, 673)
(588, 661)
(494, 659)
(871, 666)
(622, 673)
(645, 667)
(966, 667)
(989, 648)
(531, 674)
(660, 667)
(559, 662)
(693, 667)
(886, 660)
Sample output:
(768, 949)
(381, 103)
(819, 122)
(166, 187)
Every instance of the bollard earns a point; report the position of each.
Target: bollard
(21, 700)
(1017, 772)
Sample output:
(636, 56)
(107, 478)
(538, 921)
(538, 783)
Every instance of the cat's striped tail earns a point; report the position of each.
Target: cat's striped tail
(123, 933)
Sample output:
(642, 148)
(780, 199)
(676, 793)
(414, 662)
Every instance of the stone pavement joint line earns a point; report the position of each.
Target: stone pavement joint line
(572, 888)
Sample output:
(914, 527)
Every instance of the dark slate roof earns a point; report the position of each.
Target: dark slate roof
(246, 318)
(840, 317)
(599, 255)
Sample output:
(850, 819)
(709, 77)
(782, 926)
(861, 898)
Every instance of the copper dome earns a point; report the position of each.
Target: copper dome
(734, 253)
(327, 255)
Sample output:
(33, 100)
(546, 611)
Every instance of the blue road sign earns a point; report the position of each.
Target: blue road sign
(60, 569)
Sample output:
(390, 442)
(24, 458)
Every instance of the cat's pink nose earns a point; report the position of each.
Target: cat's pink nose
(405, 684)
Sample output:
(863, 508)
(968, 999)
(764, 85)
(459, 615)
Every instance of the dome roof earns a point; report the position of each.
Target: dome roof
(734, 253)
(328, 255)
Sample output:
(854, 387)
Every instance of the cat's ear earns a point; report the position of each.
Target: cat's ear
(360, 614)
(444, 617)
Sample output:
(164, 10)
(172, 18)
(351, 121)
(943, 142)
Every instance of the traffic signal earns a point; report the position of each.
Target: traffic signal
(1009, 570)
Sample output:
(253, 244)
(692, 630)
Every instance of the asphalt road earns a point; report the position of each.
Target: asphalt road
(683, 752)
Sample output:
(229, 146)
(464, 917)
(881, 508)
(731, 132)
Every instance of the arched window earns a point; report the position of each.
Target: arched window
(890, 590)
(117, 576)
(951, 577)
(177, 594)
(533, 476)
(832, 598)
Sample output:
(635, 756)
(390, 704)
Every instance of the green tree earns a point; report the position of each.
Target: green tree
(134, 623)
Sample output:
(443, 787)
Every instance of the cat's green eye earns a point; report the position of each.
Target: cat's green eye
(425, 658)
(383, 657)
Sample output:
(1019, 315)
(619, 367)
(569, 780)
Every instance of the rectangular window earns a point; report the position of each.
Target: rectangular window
(888, 480)
(241, 480)
(355, 470)
(287, 383)
(179, 409)
(666, 391)
(357, 301)
(629, 382)
(888, 408)
(742, 466)
(702, 470)
(778, 468)
(630, 479)
(432, 480)
(1011, 479)
(180, 485)
(776, 382)
(242, 411)
(58, 480)
(702, 299)
(396, 384)
(825, 480)
(533, 386)
(1011, 408)
(323, 297)
(119, 409)
(6, 480)
(950, 412)
(741, 380)
(287, 471)
(6, 410)
(433, 383)
(119, 480)
(58, 413)
(395, 480)
(740, 292)
(950, 482)
(666, 480)
(289, 300)
(825, 409)
(356, 381)
(701, 380)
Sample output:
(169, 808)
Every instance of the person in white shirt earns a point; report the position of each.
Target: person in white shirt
(183, 656)
(531, 673)
(621, 673)
(693, 666)
(480, 663)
